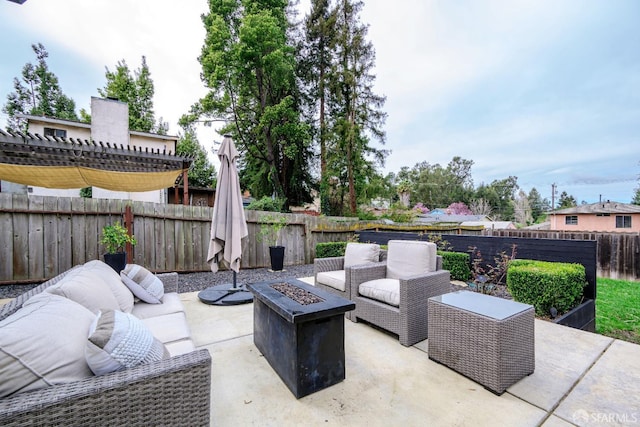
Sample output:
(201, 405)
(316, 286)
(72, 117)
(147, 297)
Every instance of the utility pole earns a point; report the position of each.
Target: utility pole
(553, 196)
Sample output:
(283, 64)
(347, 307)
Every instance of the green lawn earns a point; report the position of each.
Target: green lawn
(618, 309)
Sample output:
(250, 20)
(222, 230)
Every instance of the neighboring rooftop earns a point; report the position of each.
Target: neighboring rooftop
(601, 208)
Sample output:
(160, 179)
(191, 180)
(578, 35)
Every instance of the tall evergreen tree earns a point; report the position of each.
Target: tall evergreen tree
(248, 64)
(316, 60)
(137, 90)
(38, 93)
(356, 110)
(202, 173)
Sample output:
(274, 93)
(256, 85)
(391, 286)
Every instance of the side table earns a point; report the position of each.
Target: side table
(488, 339)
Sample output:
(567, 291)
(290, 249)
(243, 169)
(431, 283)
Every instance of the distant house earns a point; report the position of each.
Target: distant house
(109, 123)
(603, 216)
(438, 216)
(491, 225)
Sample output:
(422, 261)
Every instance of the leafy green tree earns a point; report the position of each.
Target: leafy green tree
(538, 204)
(202, 173)
(436, 186)
(566, 201)
(248, 65)
(37, 93)
(137, 90)
(500, 195)
(636, 197)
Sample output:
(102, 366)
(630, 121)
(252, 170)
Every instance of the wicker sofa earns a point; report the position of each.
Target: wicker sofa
(172, 391)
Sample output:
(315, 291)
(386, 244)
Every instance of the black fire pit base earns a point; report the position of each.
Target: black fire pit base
(304, 344)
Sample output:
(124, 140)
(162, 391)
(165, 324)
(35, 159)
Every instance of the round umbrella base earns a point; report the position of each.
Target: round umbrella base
(226, 294)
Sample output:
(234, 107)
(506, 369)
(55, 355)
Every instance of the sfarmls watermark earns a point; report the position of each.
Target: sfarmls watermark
(583, 417)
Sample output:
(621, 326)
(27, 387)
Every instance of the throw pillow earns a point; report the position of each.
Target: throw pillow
(118, 341)
(42, 344)
(109, 275)
(87, 288)
(143, 283)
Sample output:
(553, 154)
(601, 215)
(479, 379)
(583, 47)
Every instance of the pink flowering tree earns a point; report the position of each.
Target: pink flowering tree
(459, 208)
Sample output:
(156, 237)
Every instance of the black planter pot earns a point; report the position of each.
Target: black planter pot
(117, 261)
(277, 257)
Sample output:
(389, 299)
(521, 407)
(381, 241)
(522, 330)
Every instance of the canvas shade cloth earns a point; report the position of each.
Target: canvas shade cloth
(72, 163)
(80, 177)
(228, 226)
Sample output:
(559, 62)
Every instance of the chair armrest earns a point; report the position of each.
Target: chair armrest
(363, 273)
(169, 280)
(166, 392)
(328, 264)
(416, 290)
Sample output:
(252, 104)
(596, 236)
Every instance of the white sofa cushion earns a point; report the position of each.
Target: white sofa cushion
(361, 253)
(170, 303)
(383, 290)
(87, 288)
(335, 279)
(42, 344)
(109, 275)
(169, 327)
(177, 348)
(406, 258)
(143, 283)
(118, 341)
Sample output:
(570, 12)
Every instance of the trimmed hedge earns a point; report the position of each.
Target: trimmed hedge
(457, 263)
(330, 249)
(546, 284)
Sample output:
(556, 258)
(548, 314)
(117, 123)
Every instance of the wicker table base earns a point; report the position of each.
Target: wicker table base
(488, 339)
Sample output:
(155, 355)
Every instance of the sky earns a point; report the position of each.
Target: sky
(544, 90)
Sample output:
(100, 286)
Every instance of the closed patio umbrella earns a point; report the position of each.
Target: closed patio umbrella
(228, 228)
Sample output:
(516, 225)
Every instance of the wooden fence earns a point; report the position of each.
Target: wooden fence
(618, 254)
(44, 236)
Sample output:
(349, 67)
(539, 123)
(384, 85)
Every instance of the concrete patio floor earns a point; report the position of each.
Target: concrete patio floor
(580, 379)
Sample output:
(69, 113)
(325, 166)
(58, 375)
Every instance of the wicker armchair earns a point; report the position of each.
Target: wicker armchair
(174, 391)
(393, 295)
(333, 274)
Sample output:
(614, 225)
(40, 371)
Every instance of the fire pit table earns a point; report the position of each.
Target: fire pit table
(300, 331)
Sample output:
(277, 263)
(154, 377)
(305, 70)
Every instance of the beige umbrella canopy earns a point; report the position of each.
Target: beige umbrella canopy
(228, 228)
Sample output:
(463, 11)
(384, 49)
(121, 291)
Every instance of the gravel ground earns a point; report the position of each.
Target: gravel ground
(191, 282)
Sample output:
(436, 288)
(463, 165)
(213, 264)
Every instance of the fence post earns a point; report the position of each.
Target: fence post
(128, 221)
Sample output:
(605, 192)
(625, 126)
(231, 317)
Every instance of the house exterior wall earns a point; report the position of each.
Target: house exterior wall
(109, 123)
(593, 222)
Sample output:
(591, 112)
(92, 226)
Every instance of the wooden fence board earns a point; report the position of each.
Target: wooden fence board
(65, 238)
(20, 239)
(6, 237)
(50, 237)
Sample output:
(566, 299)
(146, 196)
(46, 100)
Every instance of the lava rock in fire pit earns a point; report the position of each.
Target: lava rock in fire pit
(297, 294)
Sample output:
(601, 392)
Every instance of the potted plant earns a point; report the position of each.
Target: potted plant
(114, 238)
(270, 227)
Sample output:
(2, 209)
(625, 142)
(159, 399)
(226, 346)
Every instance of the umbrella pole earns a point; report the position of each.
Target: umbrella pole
(234, 279)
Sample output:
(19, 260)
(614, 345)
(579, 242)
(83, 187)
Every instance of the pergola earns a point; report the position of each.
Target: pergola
(64, 163)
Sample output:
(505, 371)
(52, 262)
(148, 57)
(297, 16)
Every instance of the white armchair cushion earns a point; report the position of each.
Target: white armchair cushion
(361, 253)
(406, 258)
(383, 290)
(335, 279)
